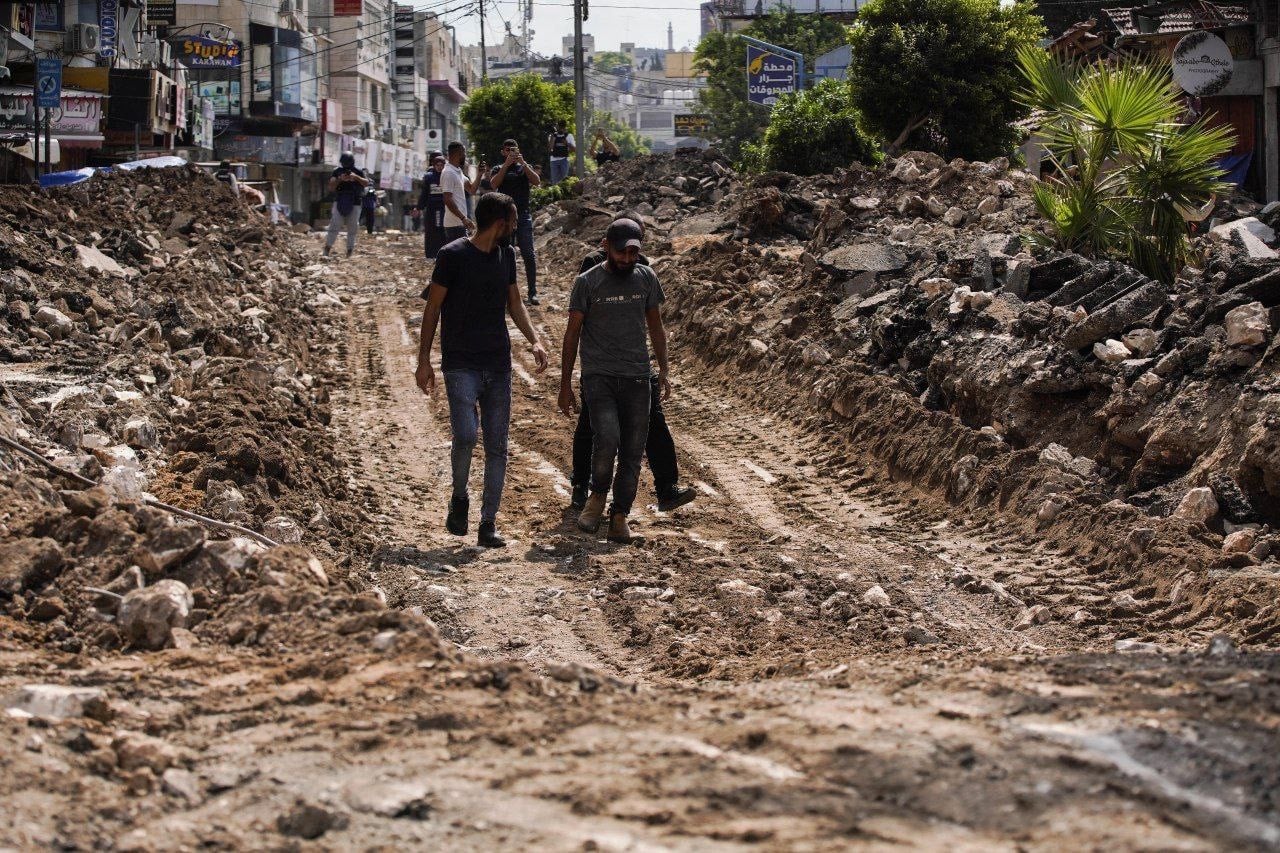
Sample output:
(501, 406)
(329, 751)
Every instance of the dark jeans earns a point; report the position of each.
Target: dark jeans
(619, 409)
(369, 220)
(659, 449)
(432, 231)
(451, 234)
(491, 391)
(524, 239)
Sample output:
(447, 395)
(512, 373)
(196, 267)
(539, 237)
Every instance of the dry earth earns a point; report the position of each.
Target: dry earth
(728, 683)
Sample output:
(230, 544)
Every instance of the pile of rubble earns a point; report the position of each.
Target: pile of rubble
(169, 352)
(905, 299)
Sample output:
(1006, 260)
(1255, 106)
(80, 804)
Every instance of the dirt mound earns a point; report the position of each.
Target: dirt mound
(1093, 403)
(159, 339)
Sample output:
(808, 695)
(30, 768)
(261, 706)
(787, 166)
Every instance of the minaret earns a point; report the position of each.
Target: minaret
(671, 38)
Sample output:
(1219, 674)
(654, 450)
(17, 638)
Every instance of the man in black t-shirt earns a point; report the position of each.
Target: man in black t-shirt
(516, 178)
(473, 288)
(660, 447)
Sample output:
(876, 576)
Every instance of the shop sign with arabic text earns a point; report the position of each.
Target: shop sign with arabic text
(768, 76)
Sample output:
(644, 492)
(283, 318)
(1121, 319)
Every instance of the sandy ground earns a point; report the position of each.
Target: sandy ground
(724, 684)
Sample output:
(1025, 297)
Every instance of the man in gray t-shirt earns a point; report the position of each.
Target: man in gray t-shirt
(613, 313)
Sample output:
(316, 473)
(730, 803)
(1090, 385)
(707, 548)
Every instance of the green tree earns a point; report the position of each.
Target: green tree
(938, 73)
(607, 60)
(723, 58)
(1125, 169)
(814, 131)
(522, 107)
(630, 143)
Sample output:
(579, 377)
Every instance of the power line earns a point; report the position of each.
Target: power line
(342, 45)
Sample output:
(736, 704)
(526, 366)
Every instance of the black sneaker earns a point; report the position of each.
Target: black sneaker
(456, 522)
(579, 498)
(676, 496)
(489, 537)
(350, 252)
(533, 300)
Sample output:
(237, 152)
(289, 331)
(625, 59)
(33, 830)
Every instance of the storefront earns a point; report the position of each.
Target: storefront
(76, 125)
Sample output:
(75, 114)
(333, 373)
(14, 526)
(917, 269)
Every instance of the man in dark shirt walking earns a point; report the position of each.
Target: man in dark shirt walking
(612, 307)
(659, 449)
(473, 287)
(516, 178)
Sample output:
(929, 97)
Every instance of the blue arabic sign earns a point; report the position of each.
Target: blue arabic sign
(769, 75)
(49, 83)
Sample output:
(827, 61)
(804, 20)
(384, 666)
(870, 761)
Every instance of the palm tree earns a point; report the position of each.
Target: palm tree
(1125, 166)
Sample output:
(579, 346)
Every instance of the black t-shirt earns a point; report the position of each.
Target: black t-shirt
(599, 256)
(348, 192)
(603, 156)
(516, 185)
(473, 319)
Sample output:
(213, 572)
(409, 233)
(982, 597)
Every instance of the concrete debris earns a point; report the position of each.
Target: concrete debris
(148, 616)
(1248, 325)
(57, 702)
(1198, 505)
(876, 597)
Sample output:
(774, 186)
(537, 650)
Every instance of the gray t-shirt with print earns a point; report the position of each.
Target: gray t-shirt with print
(615, 340)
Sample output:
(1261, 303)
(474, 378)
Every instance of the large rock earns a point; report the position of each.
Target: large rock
(28, 564)
(168, 546)
(1250, 234)
(1109, 321)
(58, 701)
(135, 750)
(1112, 352)
(148, 616)
(1197, 505)
(1248, 325)
(92, 259)
(865, 257)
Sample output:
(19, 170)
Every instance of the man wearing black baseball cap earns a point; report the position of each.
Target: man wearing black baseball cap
(611, 309)
(660, 447)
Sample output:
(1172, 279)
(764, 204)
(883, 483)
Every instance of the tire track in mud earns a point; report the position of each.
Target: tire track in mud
(787, 511)
(486, 601)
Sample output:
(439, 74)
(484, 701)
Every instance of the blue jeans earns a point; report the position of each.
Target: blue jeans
(524, 239)
(491, 391)
(559, 170)
(619, 408)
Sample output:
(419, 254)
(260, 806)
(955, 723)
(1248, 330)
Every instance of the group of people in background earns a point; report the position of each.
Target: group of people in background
(444, 207)
(614, 320)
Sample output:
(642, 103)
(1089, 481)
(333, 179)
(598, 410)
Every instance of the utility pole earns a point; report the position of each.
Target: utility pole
(579, 92)
(484, 53)
(524, 34)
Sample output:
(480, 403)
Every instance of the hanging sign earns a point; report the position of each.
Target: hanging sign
(1202, 64)
(202, 52)
(769, 75)
(108, 18)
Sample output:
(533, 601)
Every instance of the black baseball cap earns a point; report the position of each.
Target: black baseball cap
(623, 234)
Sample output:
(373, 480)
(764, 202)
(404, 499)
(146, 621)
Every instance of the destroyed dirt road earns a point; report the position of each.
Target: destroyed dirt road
(816, 655)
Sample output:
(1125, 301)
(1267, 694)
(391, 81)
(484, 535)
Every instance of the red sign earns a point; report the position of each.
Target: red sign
(347, 8)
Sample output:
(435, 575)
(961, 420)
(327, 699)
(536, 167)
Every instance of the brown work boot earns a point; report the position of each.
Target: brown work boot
(593, 513)
(619, 531)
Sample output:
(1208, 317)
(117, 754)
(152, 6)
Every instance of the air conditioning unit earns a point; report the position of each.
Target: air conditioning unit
(435, 138)
(84, 38)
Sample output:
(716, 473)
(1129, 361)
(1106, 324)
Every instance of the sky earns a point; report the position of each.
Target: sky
(610, 21)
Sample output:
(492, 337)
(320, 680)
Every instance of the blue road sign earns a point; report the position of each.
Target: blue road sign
(49, 83)
(769, 75)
